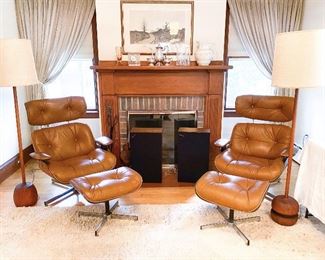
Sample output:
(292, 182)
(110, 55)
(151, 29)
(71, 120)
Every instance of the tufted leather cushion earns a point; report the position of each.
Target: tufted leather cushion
(269, 108)
(246, 166)
(65, 170)
(64, 141)
(49, 111)
(261, 140)
(108, 185)
(233, 192)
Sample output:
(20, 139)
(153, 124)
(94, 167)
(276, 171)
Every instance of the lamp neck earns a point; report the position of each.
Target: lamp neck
(20, 143)
(291, 145)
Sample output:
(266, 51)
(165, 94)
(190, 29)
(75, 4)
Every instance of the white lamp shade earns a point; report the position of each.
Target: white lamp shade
(299, 59)
(17, 65)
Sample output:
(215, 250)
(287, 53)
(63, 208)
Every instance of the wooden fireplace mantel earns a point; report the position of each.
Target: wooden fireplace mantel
(116, 80)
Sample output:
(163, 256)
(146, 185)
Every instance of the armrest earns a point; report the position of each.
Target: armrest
(222, 143)
(40, 156)
(103, 141)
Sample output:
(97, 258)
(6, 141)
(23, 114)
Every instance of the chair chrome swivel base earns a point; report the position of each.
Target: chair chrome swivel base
(69, 191)
(231, 221)
(64, 186)
(107, 214)
(269, 196)
(58, 198)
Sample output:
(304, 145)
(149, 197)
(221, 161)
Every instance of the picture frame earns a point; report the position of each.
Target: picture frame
(147, 23)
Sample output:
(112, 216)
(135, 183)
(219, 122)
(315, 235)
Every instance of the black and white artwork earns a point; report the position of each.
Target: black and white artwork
(147, 24)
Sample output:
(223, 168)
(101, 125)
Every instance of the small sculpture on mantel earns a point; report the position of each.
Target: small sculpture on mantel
(159, 55)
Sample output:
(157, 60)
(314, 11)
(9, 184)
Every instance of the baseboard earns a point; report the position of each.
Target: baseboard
(12, 165)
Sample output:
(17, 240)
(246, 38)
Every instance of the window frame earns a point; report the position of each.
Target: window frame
(94, 113)
(227, 112)
(230, 112)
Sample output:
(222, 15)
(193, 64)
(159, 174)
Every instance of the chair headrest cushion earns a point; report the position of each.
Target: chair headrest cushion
(269, 108)
(55, 110)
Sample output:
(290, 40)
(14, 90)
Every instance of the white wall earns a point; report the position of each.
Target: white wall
(8, 134)
(311, 104)
(209, 26)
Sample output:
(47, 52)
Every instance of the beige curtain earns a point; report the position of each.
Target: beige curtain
(258, 21)
(56, 28)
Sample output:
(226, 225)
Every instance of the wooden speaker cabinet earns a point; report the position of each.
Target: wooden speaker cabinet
(146, 153)
(192, 153)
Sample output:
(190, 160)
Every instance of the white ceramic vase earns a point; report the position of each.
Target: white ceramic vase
(204, 54)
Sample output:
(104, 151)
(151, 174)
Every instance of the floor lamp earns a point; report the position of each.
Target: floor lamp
(17, 68)
(299, 62)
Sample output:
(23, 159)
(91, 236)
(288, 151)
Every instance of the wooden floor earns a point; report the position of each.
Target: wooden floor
(148, 194)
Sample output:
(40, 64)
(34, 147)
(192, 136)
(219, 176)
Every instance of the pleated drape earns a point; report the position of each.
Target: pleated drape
(57, 29)
(258, 21)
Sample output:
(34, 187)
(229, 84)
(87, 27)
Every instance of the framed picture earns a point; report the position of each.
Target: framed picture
(145, 24)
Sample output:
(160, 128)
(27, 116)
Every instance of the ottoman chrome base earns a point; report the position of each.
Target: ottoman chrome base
(232, 222)
(106, 215)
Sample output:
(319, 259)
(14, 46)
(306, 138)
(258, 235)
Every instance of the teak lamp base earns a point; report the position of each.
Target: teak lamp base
(284, 210)
(25, 195)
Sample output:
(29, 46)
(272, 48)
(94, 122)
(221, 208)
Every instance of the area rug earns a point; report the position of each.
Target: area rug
(162, 232)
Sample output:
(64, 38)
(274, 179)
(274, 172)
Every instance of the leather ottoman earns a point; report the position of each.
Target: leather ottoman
(233, 192)
(105, 186)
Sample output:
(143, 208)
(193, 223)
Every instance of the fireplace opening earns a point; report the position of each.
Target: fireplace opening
(169, 121)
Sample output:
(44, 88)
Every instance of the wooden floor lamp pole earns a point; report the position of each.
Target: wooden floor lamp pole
(291, 148)
(20, 145)
(25, 193)
(285, 208)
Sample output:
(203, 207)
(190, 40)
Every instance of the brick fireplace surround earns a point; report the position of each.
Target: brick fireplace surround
(161, 104)
(160, 88)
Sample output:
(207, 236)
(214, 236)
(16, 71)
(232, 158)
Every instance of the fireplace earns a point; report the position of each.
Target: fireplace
(166, 88)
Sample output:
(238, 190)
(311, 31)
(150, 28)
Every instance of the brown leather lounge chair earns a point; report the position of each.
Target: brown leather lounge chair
(252, 159)
(67, 150)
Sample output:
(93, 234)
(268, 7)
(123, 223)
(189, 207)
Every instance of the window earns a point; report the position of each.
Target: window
(77, 79)
(244, 78)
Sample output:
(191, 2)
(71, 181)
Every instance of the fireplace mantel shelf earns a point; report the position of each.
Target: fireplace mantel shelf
(113, 66)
